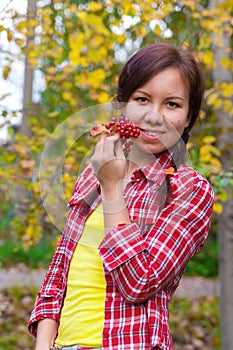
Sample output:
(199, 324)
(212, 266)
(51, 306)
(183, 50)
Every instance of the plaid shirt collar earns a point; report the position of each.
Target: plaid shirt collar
(153, 172)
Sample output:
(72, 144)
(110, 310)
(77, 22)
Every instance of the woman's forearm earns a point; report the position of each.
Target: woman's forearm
(46, 334)
(115, 211)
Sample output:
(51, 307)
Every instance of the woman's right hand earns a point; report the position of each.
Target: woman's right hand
(109, 161)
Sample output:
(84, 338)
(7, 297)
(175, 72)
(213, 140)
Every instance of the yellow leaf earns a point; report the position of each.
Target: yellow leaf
(51, 70)
(67, 95)
(96, 56)
(66, 177)
(20, 149)
(209, 139)
(167, 8)
(215, 163)
(205, 149)
(95, 6)
(53, 114)
(96, 77)
(33, 22)
(206, 157)
(9, 35)
(158, 30)
(189, 145)
(140, 32)
(226, 89)
(93, 21)
(127, 7)
(6, 72)
(223, 196)
(73, 102)
(98, 40)
(189, 3)
(226, 62)
(202, 115)
(227, 106)
(208, 57)
(217, 39)
(209, 24)
(82, 15)
(121, 38)
(81, 80)
(33, 61)
(76, 41)
(67, 85)
(73, 8)
(214, 100)
(205, 41)
(196, 15)
(22, 26)
(36, 187)
(20, 42)
(103, 97)
(217, 208)
(215, 151)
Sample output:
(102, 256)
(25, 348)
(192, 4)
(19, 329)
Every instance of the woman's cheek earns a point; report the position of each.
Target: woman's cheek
(135, 112)
(176, 126)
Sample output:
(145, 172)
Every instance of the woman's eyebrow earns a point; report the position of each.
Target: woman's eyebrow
(175, 97)
(142, 92)
(167, 98)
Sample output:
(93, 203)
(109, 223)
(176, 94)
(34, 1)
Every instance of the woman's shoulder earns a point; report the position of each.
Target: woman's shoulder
(86, 183)
(189, 176)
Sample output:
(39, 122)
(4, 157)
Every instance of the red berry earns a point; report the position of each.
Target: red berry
(125, 127)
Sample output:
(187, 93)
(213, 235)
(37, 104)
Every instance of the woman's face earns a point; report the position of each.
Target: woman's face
(160, 107)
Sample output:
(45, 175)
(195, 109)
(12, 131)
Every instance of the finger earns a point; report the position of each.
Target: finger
(109, 146)
(113, 137)
(102, 137)
(104, 149)
(119, 150)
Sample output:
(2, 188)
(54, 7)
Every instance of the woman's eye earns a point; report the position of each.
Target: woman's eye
(172, 104)
(141, 99)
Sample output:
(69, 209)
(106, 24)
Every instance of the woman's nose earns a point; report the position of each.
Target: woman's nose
(154, 116)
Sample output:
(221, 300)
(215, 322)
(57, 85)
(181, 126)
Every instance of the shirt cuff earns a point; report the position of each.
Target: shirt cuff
(121, 244)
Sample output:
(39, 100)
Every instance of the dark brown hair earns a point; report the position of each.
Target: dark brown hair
(152, 59)
(148, 62)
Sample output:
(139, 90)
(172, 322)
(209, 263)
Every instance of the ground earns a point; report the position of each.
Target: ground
(189, 286)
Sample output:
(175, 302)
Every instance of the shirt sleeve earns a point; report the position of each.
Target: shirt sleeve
(143, 264)
(49, 299)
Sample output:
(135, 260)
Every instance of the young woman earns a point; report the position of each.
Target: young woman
(134, 221)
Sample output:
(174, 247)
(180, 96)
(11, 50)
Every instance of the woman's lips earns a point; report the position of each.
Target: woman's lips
(152, 134)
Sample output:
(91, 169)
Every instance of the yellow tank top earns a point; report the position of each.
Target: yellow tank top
(82, 315)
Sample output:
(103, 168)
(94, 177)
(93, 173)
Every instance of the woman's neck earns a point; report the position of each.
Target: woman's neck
(137, 159)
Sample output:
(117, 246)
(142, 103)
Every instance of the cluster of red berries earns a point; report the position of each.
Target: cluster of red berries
(126, 128)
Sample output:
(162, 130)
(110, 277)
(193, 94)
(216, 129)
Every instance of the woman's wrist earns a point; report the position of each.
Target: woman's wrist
(112, 199)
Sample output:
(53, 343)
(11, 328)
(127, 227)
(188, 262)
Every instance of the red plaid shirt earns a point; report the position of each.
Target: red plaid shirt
(143, 261)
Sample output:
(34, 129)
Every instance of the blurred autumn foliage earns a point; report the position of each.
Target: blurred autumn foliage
(79, 47)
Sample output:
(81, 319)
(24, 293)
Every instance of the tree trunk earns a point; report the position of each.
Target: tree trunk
(225, 220)
(28, 74)
(20, 199)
